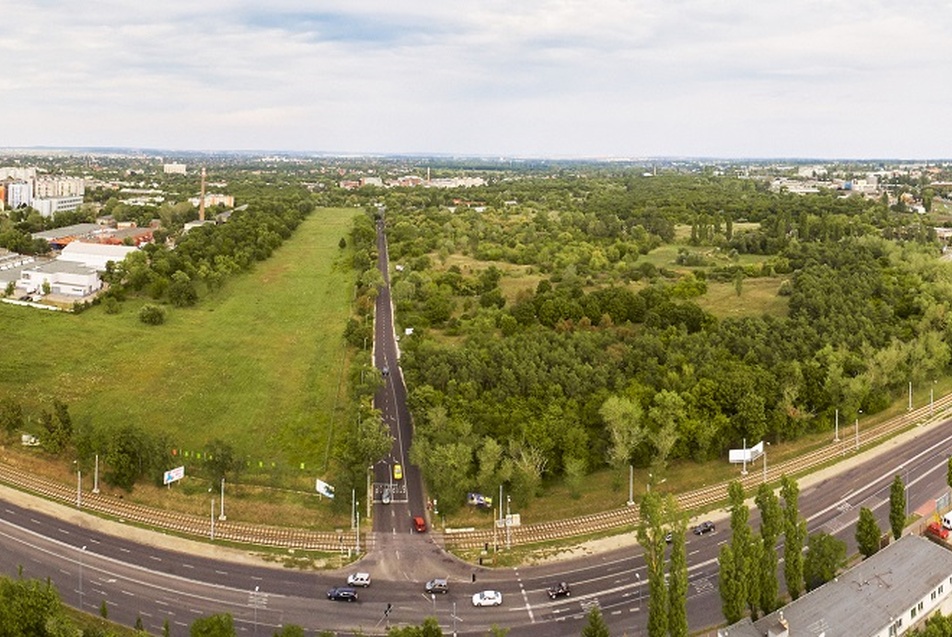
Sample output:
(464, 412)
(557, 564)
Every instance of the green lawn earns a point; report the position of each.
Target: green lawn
(259, 364)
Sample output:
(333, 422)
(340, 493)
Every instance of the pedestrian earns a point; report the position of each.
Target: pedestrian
(474, 577)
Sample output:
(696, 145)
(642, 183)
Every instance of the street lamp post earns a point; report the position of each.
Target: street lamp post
(81, 553)
(857, 428)
(836, 427)
(631, 485)
(79, 486)
(932, 399)
(256, 610)
(96, 476)
(357, 533)
(765, 461)
(213, 519)
(221, 516)
(508, 523)
(638, 578)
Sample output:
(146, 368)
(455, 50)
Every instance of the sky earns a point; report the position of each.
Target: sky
(488, 78)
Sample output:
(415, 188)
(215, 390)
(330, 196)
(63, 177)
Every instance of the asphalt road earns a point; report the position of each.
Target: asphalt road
(157, 584)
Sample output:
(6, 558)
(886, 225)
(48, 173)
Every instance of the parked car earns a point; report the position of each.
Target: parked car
(438, 585)
(704, 527)
(419, 524)
(397, 471)
(937, 530)
(487, 598)
(358, 579)
(559, 590)
(342, 594)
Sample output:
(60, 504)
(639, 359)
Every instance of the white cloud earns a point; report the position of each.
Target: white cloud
(567, 78)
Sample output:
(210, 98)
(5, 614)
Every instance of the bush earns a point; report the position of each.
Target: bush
(111, 305)
(152, 314)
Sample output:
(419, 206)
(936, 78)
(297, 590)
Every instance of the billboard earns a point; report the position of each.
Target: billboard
(324, 489)
(173, 475)
(737, 456)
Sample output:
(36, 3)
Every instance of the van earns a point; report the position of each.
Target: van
(947, 521)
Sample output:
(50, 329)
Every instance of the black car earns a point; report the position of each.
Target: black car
(704, 527)
(559, 590)
(342, 594)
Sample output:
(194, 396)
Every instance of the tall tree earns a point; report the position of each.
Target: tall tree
(651, 537)
(742, 545)
(771, 525)
(596, 626)
(897, 507)
(729, 584)
(826, 555)
(623, 417)
(677, 576)
(794, 534)
(867, 532)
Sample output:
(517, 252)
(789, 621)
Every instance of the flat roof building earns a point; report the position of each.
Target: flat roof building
(885, 595)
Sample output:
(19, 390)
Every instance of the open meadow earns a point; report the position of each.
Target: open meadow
(260, 364)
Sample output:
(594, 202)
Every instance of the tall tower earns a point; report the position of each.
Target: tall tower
(201, 200)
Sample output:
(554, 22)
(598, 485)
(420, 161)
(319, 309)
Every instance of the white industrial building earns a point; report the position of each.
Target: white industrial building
(64, 277)
(94, 255)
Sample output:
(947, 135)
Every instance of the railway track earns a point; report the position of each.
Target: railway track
(194, 526)
(180, 523)
(708, 496)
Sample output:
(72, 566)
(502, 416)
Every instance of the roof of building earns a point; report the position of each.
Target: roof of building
(75, 230)
(868, 597)
(60, 266)
(97, 249)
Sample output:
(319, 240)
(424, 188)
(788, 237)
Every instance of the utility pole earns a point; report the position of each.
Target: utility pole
(631, 485)
(221, 516)
(836, 430)
(96, 476)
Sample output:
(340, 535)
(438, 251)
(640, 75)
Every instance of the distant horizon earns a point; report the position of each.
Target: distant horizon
(172, 152)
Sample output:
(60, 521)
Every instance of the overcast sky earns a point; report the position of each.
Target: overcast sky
(585, 78)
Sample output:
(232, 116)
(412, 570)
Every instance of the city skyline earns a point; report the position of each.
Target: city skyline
(601, 79)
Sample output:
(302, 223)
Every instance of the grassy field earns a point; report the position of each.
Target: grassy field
(260, 364)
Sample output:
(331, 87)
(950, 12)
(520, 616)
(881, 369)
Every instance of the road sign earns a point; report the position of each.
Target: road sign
(173, 475)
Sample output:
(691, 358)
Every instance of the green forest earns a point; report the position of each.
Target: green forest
(547, 342)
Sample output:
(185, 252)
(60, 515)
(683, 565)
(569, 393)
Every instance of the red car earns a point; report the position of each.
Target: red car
(419, 524)
(937, 530)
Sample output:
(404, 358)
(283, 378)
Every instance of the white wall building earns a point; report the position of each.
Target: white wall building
(49, 187)
(49, 207)
(173, 169)
(94, 255)
(19, 193)
(64, 277)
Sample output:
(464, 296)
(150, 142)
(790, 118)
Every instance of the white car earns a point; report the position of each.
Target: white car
(358, 579)
(487, 598)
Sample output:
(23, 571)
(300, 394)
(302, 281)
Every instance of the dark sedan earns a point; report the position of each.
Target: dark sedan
(704, 528)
